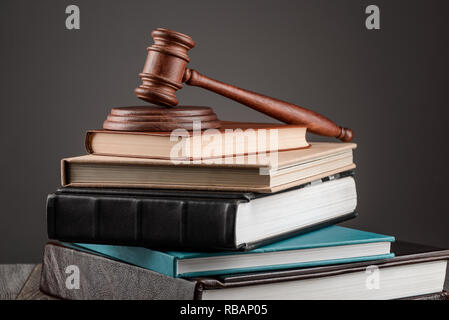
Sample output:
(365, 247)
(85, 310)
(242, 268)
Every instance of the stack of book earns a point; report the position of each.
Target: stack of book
(137, 219)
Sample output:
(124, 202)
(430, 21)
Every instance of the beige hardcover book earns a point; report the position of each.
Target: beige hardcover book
(233, 138)
(258, 173)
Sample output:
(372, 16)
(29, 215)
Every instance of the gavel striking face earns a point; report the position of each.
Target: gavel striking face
(165, 70)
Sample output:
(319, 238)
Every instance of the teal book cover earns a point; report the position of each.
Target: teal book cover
(215, 263)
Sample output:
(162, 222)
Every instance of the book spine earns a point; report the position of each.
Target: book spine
(76, 275)
(64, 173)
(142, 221)
(88, 142)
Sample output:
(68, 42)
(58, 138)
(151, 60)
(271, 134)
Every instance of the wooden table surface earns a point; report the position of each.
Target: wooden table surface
(21, 282)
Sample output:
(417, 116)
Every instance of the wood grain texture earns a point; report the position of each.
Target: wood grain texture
(12, 278)
(30, 290)
(154, 118)
(179, 111)
(165, 70)
(278, 109)
(168, 55)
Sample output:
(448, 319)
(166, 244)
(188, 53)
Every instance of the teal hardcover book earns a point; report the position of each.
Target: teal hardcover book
(331, 245)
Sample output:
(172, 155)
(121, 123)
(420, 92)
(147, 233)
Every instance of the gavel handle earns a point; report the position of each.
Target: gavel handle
(280, 110)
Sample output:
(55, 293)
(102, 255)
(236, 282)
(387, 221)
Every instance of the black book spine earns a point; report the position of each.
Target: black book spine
(168, 223)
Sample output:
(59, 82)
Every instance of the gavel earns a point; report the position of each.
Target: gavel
(166, 69)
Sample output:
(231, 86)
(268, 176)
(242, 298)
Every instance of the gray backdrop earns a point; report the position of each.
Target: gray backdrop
(388, 85)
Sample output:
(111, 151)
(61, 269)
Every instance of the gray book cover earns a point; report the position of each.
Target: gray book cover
(76, 275)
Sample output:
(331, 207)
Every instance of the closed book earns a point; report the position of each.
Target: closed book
(233, 138)
(414, 271)
(105, 279)
(31, 290)
(201, 220)
(331, 245)
(251, 173)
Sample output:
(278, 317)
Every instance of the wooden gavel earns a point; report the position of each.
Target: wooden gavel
(165, 71)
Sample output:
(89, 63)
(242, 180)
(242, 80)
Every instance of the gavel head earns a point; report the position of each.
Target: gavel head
(164, 67)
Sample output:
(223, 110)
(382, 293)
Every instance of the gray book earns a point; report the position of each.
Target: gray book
(77, 275)
(72, 273)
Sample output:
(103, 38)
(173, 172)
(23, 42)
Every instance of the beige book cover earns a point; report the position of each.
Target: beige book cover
(232, 139)
(267, 173)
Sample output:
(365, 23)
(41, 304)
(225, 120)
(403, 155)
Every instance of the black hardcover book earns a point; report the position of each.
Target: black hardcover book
(177, 219)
